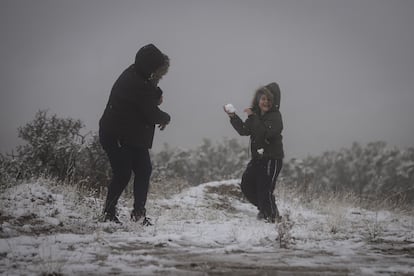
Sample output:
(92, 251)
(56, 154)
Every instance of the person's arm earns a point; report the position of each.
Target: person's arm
(152, 113)
(239, 125)
(158, 95)
(273, 127)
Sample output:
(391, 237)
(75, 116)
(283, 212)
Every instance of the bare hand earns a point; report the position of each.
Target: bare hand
(248, 111)
(231, 115)
(162, 126)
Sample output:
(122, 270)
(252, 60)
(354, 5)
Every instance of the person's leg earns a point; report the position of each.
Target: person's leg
(121, 174)
(248, 183)
(142, 169)
(278, 164)
(262, 181)
(267, 175)
(120, 162)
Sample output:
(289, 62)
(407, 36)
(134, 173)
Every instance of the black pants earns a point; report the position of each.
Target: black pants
(258, 184)
(124, 160)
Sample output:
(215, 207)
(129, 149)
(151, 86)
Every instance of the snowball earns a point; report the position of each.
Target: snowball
(230, 108)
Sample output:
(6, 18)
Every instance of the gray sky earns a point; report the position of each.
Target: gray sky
(345, 67)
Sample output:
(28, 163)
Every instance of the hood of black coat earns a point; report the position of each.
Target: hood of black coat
(148, 59)
(274, 88)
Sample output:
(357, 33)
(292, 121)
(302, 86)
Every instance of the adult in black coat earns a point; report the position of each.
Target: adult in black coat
(264, 126)
(127, 126)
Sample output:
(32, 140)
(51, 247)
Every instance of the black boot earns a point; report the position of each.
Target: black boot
(137, 215)
(260, 215)
(111, 217)
(147, 221)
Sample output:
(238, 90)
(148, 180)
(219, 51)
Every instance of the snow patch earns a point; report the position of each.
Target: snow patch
(209, 227)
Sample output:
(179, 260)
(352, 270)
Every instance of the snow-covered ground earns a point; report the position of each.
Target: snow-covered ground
(208, 229)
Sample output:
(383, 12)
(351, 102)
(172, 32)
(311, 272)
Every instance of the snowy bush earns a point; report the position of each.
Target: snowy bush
(372, 173)
(55, 148)
(51, 145)
(9, 171)
(208, 162)
(284, 228)
(92, 167)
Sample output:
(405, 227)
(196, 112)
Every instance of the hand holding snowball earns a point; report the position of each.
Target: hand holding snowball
(230, 110)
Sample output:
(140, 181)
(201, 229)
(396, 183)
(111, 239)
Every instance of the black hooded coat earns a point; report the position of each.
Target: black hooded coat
(265, 131)
(132, 110)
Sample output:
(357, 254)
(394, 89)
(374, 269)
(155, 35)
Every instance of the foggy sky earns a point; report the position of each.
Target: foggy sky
(345, 67)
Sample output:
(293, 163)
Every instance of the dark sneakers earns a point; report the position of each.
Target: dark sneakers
(269, 219)
(111, 218)
(260, 215)
(147, 221)
(278, 219)
(137, 215)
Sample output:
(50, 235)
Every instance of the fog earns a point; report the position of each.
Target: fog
(345, 67)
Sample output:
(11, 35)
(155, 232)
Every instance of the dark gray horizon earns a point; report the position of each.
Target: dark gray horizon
(345, 67)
